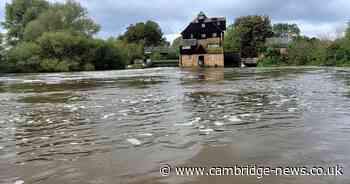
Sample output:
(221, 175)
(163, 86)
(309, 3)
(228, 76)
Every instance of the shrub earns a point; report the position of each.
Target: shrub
(23, 58)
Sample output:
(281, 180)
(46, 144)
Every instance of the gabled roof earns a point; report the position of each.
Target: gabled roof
(201, 17)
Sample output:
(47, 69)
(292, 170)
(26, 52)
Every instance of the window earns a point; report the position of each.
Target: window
(204, 35)
(191, 36)
(186, 47)
(215, 35)
(203, 25)
(218, 23)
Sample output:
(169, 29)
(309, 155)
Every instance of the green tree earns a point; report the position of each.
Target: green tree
(176, 45)
(232, 41)
(338, 53)
(1, 45)
(70, 16)
(65, 46)
(253, 32)
(24, 57)
(147, 34)
(308, 51)
(282, 29)
(108, 56)
(18, 13)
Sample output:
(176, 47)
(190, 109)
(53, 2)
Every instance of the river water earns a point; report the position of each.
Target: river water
(121, 126)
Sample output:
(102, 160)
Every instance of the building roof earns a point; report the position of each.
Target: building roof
(202, 18)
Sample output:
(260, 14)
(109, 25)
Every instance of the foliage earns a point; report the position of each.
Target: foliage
(108, 56)
(339, 52)
(232, 42)
(156, 56)
(176, 45)
(306, 51)
(272, 57)
(283, 29)
(1, 47)
(23, 58)
(301, 51)
(70, 16)
(253, 31)
(129, 51)
(147, 34)
(54, 65)
(58, 38)
(18, 14)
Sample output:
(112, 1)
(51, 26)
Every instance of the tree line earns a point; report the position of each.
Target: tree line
(282, 44)
(42, 36)
(58, 37)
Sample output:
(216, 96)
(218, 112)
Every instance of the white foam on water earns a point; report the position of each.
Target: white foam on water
(1, 147)
(134, 141)
(74, 109)
(98, 106)
(146, 100)
(292, 109)
(124, 111)
(44, 138)
(260, 104)
(30, 122)
(218, 123)
(146, 135)
(234, 119)
(108, 116)
(206, 131)
(196, 120)
(285, 100)
(245, 115)
(73, 143)
(19, 182)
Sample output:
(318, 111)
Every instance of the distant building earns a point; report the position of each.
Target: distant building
(203, 42)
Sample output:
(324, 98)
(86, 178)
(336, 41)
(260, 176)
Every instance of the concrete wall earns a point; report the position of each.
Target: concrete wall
(210, 60)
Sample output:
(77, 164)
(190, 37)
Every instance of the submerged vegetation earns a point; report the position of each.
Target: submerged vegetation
(59, 37)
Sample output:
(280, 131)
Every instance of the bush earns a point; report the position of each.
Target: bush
(23, 58)
(108, 56)
(272, 57)
(88, 67)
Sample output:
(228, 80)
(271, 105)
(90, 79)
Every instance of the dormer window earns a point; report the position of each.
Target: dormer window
(203, 25)
(204, 35)
(215, 35)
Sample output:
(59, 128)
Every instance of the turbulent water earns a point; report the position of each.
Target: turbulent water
(121, 126)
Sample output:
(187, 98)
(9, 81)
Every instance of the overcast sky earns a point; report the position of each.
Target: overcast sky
(315, 17)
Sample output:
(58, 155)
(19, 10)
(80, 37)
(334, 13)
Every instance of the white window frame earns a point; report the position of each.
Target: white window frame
(203, 36)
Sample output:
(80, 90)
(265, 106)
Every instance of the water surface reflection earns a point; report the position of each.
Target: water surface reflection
(103, 127)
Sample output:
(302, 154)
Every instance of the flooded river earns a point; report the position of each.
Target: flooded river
(121, 126)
